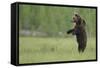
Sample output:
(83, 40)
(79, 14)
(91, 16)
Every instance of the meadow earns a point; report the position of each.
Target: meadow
(51, 49)
(43, 38)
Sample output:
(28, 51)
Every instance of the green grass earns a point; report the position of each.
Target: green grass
(37, 50)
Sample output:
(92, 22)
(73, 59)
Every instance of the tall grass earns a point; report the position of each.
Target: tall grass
(37, 49)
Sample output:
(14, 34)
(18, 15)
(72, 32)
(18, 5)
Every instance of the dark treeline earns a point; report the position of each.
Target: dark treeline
(35, 20)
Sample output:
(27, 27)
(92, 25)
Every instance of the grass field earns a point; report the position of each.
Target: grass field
(37, 50)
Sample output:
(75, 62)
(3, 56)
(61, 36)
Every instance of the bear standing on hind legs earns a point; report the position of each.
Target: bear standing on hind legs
(80, 32)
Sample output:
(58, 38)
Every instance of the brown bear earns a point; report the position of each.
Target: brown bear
(80, 32)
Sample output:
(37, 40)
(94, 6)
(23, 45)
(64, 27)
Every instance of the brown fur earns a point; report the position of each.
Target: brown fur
(80, 32)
